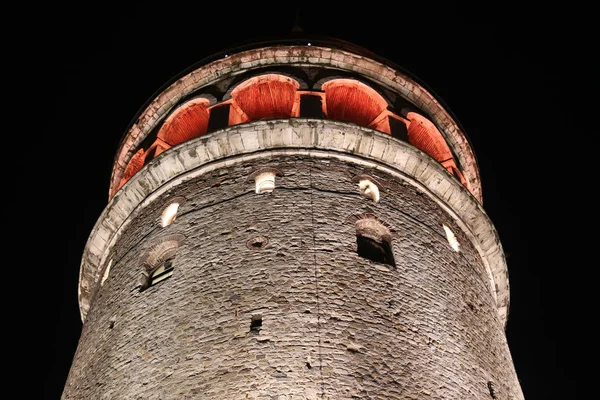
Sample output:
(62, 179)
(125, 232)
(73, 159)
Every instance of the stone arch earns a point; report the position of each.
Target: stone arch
(162, 249)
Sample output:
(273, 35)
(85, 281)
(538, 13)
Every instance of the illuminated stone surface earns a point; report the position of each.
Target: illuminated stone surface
(269, 298)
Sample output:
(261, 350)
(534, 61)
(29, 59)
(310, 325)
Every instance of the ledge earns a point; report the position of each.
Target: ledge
(299, 55)
(312, 137)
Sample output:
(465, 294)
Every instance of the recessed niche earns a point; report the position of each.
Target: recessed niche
(374, 241)
(368, 187)
(256, 323)
(369, 190)
(168, 215)
(265, 182)
(106, 272)
(451, 238)
(264, 179)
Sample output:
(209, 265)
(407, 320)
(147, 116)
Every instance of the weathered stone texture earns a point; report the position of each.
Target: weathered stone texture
(334, 325)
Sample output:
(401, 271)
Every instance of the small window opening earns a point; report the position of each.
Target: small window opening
(451, 239)
(265, 182)
(256, 323)
(169, 214)
(369, 189)
(490, 386)
(161, 273)
(374, 251)
(374, 242)
(106, 273)
(159, 261)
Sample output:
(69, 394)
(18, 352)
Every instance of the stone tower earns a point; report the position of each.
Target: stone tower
(297, 219)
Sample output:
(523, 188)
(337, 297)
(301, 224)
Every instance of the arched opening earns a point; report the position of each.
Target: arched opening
(188, 121)
(265, 182)
(368, 189)
(168, 215)
(451, 237)
(155, 150)
(424, 135)
(159, 264)
(266, 96)
(352, 101)
(135, 164)
(374, 241)
(264, 179)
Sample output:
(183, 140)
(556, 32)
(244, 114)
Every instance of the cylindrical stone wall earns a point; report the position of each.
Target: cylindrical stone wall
(317, 289)
(335, 325)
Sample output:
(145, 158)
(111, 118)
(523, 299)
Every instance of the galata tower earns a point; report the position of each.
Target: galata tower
(295, 219)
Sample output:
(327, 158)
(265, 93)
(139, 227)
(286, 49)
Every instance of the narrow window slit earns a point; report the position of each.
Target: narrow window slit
(106, 272)
(490, 385)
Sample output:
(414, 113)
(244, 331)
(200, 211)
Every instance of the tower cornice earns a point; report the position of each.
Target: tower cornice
(243, 61)
(314, 137)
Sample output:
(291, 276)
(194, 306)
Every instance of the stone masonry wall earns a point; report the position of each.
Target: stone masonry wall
(334, 325)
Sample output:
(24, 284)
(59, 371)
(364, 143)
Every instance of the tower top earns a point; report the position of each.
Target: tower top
(301, 48)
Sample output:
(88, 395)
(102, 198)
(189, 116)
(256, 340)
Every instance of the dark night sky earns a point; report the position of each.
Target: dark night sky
(512, 76)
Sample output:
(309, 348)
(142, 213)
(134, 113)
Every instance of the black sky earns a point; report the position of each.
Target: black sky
(514, 77)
